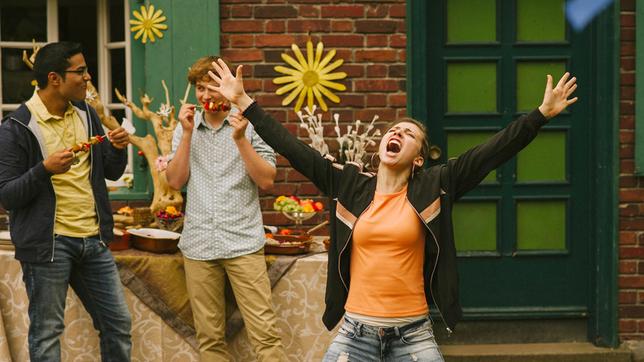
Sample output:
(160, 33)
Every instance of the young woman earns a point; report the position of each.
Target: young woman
(392, 243)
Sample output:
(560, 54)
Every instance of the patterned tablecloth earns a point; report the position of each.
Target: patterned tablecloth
(298, 298)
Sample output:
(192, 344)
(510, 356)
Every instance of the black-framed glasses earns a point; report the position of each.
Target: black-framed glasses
(80, 71)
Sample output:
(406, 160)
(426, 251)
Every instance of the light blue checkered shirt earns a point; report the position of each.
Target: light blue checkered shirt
(223, 217)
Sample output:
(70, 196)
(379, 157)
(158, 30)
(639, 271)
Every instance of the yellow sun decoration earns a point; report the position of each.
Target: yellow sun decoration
(310, 78)
(148, 23)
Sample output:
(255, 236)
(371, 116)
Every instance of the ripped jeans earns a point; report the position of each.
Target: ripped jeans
(360, 342)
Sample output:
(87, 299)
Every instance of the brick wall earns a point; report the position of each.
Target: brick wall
(631, 193)
(369, 36)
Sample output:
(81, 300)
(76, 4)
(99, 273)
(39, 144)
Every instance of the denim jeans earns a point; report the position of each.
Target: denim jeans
(360, 342)
(88, 266)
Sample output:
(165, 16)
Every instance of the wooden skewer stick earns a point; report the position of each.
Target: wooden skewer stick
(316, 227)
(167, 94)
(185, 96)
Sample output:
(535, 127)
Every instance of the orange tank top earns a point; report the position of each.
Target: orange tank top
(387, 259)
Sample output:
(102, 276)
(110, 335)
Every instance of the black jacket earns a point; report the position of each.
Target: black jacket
(26, 190)
(431, 192)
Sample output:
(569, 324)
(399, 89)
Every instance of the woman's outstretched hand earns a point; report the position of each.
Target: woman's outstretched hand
(230, 86)
(556, 99)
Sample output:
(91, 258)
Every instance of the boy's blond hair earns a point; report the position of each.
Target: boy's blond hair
(199, 70)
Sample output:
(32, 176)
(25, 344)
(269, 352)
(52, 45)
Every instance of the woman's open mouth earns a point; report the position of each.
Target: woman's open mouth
(394, 146)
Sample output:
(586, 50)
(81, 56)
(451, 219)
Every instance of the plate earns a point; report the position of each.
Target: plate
(155, 240)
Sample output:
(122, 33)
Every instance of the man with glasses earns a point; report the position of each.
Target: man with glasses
(58, 206)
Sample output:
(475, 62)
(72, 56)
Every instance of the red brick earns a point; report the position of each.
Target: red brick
(626, 136)
(397, 11)
(376, 100)
(627, 34)
(627, 151)
(268, 85)
(626, 166)
(241, 11)
(377, 40)
(275, 26)
(627, 107)
(376, 71)
(627, 5)
(633, 223)
(341, 26)
(245, 55)
(384, 114)
(627, 92)
(275, 40)
(628, 210)
(628, 326)
(627, 64)
(305, 26)
(241, 41)
(351, 100)
(627, 20)
(239, 1)
(398, 40)
(402, 56)
(627, 78)
(284, 189)
(627, 297)
(377, 11)
(309, 11)
(342, 11)
(376, 26)
(353, 70)
(397, 100)
(397, 71)
(253, 85)
(346, 54)
(294, 176)
(627, 181)
(627, 48)
(631, 281)
(627, 267)
(274, 12)
(269, 100)
(381, 55)
(242, 26)
(381, 85)
(348, 40)
(224, 12)
(631, 311)
(627, 237)
(308, 189)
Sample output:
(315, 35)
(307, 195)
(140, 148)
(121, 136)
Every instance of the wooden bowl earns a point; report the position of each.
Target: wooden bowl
(121, 240)
(155, 240)
(287, 250)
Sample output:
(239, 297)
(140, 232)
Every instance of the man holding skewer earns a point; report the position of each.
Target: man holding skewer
(60, 215)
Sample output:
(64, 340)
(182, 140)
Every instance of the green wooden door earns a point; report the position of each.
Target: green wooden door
(523, 235)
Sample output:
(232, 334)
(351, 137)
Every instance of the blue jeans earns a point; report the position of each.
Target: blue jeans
(88, 266)
(360, 342)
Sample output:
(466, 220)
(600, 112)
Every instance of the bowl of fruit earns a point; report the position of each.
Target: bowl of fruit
(297, 209)
(169, 219)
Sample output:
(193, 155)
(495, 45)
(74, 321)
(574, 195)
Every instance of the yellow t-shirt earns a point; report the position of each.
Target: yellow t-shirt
(75, 207)
(387, 259)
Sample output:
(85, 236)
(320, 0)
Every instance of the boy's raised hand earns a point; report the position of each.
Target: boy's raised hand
(229, 85)
(556, 99)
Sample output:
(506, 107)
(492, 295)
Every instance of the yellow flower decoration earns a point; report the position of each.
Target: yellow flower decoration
(148, 23)
(310, 77)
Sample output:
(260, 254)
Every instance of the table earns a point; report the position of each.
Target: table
(298, 298)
